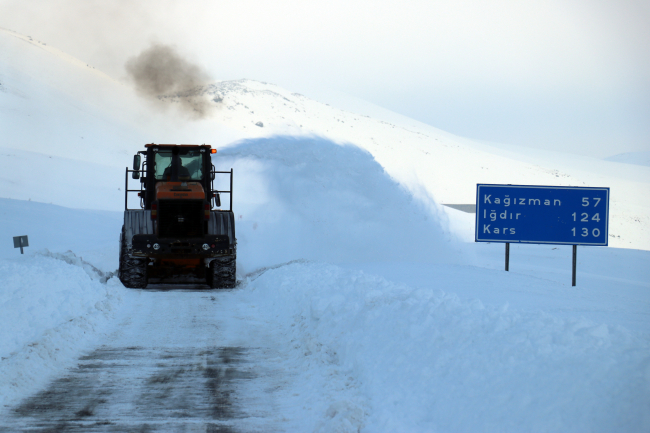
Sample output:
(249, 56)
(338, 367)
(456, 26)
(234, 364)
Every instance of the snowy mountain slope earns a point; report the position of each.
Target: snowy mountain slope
(54, 104)
(69, 130)
(45, 90)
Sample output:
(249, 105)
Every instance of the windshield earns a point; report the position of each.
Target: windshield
(192, 161)
(190, 164)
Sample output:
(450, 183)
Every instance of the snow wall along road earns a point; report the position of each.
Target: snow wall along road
(313, 199)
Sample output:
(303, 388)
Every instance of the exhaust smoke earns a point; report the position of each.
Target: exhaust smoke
(160, 73)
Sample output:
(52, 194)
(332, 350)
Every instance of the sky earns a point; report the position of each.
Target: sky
(570, 75)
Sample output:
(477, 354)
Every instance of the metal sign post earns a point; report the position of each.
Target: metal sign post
(573, 276)
(21, 242)
(533, 214)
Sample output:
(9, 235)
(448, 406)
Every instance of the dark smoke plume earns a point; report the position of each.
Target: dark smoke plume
(160, 73)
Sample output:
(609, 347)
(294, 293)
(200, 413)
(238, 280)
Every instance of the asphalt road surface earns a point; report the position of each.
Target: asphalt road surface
(163, 368)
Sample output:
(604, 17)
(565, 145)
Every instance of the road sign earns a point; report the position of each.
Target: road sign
(20, 242)
(542, 214)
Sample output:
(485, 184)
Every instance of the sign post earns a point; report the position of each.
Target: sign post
(573, 273)
(21, 242)
(542, 215)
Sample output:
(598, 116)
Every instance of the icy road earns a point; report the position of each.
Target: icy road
(165, 367)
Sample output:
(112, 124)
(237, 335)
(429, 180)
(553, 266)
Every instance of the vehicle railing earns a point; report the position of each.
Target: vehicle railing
(127, 190)
(213, 191)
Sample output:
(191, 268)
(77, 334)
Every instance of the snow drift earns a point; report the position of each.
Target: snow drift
(311, 198)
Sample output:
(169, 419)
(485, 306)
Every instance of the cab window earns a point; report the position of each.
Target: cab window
(190, 164)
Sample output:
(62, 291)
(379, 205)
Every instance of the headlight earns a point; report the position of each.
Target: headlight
(206, 247)
(156, 246)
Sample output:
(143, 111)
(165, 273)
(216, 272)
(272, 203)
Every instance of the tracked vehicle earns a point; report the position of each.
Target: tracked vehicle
(179, 233)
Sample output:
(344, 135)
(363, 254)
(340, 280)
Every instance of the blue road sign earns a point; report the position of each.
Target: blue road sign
(542, 214)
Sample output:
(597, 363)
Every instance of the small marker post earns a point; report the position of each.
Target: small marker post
(21, 242)
(507, 256)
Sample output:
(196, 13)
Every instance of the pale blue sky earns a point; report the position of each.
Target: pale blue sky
(567, 75)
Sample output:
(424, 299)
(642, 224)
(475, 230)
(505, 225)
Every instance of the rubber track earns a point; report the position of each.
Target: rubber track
(132, 271)
(222, 274)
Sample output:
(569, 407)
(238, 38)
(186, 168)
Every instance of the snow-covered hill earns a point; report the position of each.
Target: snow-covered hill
(105, 124)
(356, 279)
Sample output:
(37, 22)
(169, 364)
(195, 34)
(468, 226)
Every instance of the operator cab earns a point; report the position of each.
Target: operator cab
(179, 165)
(171, 166)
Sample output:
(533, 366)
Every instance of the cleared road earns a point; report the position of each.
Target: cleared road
(166, 367)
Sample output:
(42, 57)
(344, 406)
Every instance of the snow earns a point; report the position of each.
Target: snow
(418, 156)
(52, 307)
(310, 198)
(83, 231)
(428, 360)
(368, 300)
(50, 101)
(637, 158)
(54, 301)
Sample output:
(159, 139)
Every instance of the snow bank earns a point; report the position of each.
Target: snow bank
(310, 198)
(52, 306)
(426, 360)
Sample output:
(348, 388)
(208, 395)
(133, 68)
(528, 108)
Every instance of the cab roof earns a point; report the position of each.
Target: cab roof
(207, 146)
